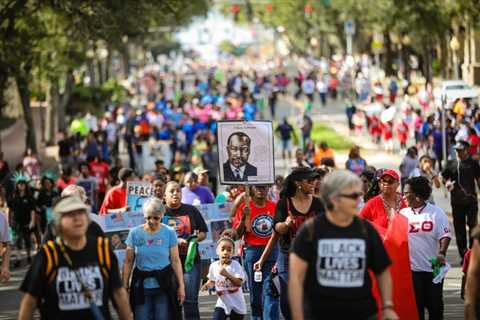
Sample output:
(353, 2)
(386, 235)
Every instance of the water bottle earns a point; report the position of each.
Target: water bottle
(257, 276)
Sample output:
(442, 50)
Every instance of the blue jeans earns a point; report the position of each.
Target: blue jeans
(261, 302)
(282, 266)
(155, 306)
(192, 287)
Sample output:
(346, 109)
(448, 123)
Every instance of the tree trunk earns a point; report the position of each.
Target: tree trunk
(388, 54)
(52, 114)
(126, 60)
(3, 89)
(65, 97)
(100, 72)
(444, 62)
(24, 92)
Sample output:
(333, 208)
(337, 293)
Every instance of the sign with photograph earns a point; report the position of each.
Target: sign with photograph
(245, 150)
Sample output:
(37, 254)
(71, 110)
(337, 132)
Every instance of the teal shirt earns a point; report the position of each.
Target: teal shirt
(152, 250)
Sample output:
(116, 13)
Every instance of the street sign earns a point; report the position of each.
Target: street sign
(349, 27)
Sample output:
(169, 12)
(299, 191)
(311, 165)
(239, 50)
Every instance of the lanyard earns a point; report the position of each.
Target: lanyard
(419, 211)
(86, 292)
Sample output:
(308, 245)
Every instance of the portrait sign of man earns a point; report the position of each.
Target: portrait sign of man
(237, 168)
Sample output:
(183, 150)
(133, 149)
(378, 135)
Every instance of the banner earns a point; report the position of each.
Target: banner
(117, 225)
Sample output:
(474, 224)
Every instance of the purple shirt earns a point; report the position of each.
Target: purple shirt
(200, 195)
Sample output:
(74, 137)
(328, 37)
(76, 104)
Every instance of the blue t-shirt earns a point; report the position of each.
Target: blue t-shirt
(152, 251)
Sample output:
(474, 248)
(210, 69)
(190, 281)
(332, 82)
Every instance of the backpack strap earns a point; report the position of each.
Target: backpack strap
(103, 252)
(52, 260)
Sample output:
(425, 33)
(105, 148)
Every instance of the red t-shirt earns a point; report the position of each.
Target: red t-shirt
(100, 171)
(261, 223)
(116, 198)
(374, 211)
(62, 184)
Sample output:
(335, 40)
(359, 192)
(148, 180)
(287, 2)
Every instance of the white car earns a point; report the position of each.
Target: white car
(455, 89)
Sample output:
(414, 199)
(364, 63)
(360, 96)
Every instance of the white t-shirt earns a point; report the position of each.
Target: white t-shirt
(425, 229)
(308, 86)
(230, 297)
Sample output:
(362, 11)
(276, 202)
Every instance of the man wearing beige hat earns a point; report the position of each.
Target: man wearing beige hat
(75, 276)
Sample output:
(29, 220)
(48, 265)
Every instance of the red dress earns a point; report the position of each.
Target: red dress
(394, 233)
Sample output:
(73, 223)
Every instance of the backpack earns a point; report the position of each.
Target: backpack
(52, 253)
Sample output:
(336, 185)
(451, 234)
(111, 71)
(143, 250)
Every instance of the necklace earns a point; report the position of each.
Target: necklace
(389, 209)
(419, 211)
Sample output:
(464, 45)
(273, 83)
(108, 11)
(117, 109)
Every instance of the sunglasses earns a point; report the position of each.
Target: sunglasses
(353, 196)
(151, 217)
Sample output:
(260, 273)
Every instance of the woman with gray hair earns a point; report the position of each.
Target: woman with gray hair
(154, 293)
(332, 254)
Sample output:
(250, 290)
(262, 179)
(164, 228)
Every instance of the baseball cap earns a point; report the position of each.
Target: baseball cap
(69, 204)
(200, 170)
(461, 145)
(390, 173)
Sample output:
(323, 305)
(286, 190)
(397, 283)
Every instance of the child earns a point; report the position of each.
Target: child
(227, 276)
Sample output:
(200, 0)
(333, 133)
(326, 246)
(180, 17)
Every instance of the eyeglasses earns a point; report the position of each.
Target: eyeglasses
(152, 217)
(389, 181)
(353, 196)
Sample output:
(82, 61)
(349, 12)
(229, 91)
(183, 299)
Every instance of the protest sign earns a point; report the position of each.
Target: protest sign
(90, 186)
(117, 225)
(245, 150)
(137, 193)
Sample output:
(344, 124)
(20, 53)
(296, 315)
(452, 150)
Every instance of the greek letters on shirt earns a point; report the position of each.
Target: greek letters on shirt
(69, 290)
(262, 225)
(341, 262)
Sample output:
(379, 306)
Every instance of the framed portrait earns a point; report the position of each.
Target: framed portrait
(245, 152)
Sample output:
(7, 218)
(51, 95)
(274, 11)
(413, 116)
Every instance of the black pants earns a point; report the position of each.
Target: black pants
(464, 215)
(219, 314)
(428, 295)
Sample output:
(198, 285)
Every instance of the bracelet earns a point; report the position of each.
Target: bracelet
(387, 305)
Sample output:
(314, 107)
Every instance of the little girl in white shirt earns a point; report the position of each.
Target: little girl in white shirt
(227, 276)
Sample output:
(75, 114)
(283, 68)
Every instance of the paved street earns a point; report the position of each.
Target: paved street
(333, 115)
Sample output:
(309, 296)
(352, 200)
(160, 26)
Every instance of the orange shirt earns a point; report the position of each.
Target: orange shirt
(320, 154)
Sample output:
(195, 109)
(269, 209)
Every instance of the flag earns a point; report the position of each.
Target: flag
(395, 240)
(116, 217)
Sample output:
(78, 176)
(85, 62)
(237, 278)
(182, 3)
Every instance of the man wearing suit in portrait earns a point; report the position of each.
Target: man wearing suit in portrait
(237, 168)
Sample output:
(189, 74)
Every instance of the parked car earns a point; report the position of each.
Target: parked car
(455, 89)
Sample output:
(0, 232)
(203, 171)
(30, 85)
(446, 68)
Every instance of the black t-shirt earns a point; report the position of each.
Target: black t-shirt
(337, 281)
(281, 214)
(185, 220)
(65, 147)
(22, 208)
(62, 298)
(285, 130)
(468, 171)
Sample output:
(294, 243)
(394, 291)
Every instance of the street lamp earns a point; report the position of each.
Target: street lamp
(455, 45)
